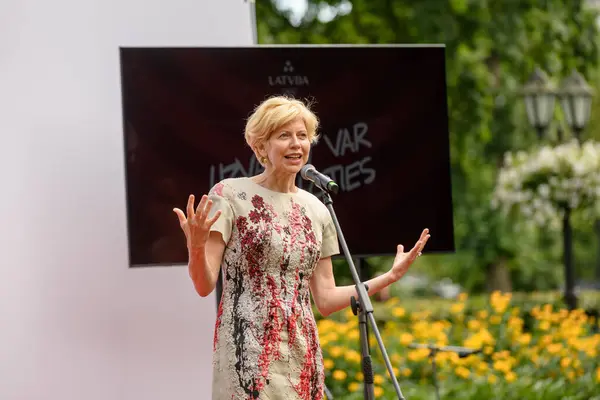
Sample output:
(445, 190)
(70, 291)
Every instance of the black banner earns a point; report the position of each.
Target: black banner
(384, 137)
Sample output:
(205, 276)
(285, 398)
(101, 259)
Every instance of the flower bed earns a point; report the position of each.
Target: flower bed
(544, 352)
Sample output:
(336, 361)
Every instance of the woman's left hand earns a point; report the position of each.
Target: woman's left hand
(404, 260)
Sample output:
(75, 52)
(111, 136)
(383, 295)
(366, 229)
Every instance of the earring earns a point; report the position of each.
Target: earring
(263, 160)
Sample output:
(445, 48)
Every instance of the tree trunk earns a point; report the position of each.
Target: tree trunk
(498, 276)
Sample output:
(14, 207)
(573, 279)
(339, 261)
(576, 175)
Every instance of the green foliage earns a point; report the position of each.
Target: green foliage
(491, 48)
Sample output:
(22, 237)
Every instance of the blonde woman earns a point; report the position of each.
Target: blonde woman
(273, 243)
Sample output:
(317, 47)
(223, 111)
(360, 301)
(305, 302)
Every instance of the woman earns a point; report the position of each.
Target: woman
(274, 243)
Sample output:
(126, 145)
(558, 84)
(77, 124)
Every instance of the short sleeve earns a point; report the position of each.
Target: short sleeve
(330, 245)
(220, 194)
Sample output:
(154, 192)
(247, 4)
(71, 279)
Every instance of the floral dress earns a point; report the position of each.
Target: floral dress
(266, 344)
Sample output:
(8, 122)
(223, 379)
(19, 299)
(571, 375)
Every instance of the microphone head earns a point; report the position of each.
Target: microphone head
(467, 353)
(305, 169)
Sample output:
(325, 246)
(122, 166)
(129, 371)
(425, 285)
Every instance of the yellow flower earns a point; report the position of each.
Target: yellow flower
(510, 376)
(377, 379)
(339, 375)
(336, 351)
(354, 386)
(598, 374)
(554, 348)
(492, 379)
(406, 338)
(457, 308)
(545, 340)
(398, 312)
(378, 391)
(463, 297)
(473, 324)
(502, 366)
(545, 325)
(500, 301)
(328, 363)
(326, 325)
(418, 354)
(482, 368)
(504, 354)
(482, 314)
(524, 338)
(565, 362)
(480, 338)
(407, 372)
(515, 323)
(495, 319)
(352, 356)
(462, 372)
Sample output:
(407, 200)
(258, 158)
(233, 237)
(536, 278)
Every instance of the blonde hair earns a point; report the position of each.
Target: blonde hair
(274, 113)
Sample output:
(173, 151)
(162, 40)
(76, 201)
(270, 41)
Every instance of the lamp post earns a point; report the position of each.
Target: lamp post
(539, 97)
(576, 100)
(575, 97)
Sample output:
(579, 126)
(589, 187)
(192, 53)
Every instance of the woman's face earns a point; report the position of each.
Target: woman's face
(288, 147)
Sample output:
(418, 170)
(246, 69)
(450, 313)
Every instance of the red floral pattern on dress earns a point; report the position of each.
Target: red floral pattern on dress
(265, 306)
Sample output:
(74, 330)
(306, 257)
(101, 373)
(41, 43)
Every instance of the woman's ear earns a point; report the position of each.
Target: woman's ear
(260, 150)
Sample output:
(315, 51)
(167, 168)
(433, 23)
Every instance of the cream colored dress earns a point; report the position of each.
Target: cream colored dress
(266, 344)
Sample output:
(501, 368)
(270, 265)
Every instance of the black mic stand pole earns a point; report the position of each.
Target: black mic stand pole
(364, 308)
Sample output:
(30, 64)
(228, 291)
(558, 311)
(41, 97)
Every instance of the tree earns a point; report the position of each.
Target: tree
(491, 49)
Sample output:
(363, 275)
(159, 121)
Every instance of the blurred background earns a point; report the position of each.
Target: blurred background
(524, 283)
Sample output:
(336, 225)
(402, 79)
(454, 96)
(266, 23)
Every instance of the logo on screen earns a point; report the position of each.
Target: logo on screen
(288, 81)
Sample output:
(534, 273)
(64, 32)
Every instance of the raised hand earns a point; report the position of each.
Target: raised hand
(196, 225)
(404, 260)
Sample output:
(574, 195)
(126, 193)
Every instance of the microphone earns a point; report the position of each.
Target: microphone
(322, 181)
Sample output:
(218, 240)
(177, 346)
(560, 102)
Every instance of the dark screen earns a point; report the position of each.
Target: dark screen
(383, 137)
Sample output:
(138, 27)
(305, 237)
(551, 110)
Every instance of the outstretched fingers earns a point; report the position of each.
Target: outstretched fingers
(190, 206)
(416, 250)
(422, 241)
(203, 209)
(180, 216)
(201, 205)
(214, 219)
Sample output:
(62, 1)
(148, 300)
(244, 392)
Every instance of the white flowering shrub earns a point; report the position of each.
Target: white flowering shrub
(541, 183)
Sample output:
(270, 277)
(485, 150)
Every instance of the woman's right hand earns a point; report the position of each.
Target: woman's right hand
(196, 225)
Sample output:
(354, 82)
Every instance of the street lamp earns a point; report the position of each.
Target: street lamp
(539, 97)
(575, 96)
(576, 101)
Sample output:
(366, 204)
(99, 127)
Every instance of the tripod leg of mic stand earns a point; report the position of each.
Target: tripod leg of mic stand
(328, 393)
(434, 375)
(367, 366)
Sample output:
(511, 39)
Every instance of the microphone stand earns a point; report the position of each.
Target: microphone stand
(364, 308)
(433, 350)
